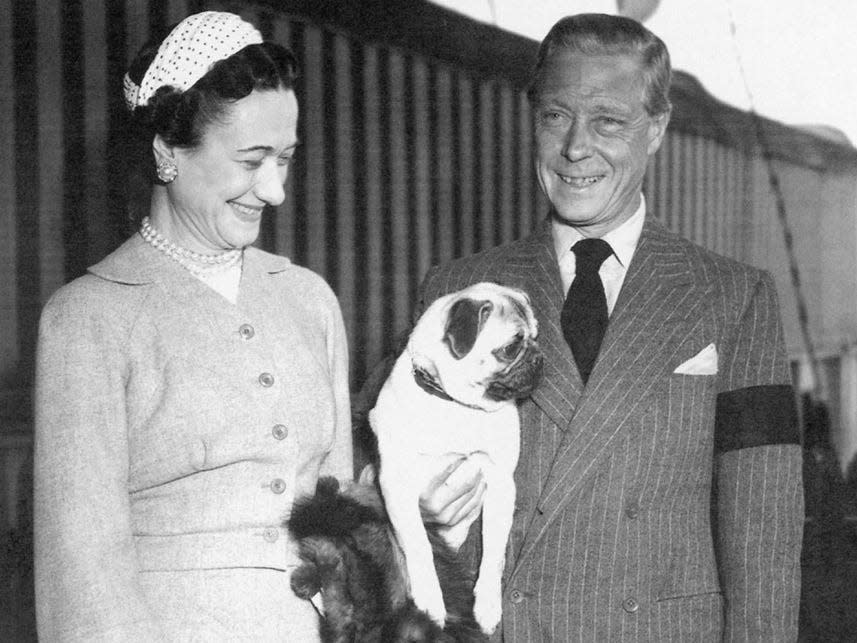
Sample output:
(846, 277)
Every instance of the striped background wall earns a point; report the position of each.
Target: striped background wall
(406, 161)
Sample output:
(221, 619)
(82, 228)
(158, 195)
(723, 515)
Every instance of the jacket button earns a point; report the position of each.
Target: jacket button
(278, 485)
(266, 380)
(271, 535)
(280, 431)
(516, 596)
(630, 605)
(632, 509)
(246, 331)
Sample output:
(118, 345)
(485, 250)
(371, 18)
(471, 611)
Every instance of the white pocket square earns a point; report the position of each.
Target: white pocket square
(703, 363)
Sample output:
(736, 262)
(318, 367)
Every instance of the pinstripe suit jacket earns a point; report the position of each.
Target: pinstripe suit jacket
(653, 506)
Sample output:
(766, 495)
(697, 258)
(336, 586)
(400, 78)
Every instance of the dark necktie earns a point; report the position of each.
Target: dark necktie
(584, 314)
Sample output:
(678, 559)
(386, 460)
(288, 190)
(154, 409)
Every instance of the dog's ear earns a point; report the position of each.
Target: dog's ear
(465, 321)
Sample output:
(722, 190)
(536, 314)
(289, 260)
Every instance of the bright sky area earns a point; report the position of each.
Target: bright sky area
(800, 57)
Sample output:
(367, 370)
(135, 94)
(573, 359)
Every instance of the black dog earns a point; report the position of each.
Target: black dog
(349, 554)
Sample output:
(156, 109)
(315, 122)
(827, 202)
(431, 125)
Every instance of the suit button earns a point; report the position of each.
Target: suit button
(630, 605)
(271, 535)
(280, 431)
(632, 509)
(246, 331)
(266, 380)
(278, 485)
(516, 596)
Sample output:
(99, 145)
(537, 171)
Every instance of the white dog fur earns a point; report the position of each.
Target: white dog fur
(463, 344)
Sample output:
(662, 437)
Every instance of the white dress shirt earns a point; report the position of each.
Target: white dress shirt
(623, 241)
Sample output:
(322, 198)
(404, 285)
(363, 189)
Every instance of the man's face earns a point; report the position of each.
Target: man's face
(593, 138)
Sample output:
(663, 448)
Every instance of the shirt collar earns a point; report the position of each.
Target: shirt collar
(623, 240)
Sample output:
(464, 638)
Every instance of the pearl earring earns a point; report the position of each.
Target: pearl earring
(167, 171)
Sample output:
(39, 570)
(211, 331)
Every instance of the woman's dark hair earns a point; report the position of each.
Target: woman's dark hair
(182, 117)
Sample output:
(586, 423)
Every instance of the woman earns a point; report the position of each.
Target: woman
(189, 386)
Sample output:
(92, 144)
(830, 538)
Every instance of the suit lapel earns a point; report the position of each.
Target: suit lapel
(534, 268)
(649, 321)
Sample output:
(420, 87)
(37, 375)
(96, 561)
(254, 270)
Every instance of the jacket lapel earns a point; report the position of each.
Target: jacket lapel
(651, 318)
(534, 268)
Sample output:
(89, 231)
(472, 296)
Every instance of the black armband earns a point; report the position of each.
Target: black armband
(754, 417)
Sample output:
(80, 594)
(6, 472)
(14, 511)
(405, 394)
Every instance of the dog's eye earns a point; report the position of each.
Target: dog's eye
(511, 350)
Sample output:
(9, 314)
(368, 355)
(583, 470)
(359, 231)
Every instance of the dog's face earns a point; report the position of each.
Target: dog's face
(478, 345)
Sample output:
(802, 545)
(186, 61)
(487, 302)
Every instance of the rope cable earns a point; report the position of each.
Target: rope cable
(774, 182)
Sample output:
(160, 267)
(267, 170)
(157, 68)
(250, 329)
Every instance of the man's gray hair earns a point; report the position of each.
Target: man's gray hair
(602, 34)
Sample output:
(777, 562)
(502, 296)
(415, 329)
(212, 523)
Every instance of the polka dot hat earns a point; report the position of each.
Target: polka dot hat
(188, 52)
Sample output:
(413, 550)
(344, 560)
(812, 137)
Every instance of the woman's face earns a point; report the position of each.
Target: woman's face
(217, 199)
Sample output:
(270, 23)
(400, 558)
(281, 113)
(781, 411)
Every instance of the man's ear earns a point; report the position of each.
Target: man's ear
(657, 130)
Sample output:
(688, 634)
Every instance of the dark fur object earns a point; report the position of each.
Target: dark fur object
(349, 553)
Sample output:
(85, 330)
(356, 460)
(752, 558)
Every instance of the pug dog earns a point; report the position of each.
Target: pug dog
(452, 394)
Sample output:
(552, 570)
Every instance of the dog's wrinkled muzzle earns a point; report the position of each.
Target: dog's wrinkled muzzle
(521, 378)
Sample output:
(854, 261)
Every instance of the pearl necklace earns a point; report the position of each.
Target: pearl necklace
(196, 263)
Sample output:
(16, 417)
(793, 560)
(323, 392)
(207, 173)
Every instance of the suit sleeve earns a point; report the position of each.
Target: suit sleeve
(758, 483)
(85, 562)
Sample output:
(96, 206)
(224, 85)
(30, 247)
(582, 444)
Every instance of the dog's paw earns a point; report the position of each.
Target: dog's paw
(430, 601)
(487, 607)
(306, 581)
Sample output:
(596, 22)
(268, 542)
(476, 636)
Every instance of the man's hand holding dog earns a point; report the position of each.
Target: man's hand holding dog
(453, 496)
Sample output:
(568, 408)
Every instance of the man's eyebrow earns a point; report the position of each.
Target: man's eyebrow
(607, 105)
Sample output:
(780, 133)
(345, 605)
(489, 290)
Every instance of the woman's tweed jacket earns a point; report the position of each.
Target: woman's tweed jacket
(173, 432)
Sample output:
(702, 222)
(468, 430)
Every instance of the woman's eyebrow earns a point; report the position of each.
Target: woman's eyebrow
(268, 148)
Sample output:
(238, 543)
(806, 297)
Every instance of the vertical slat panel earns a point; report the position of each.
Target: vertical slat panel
(487, 153)
(465, 185)
(741, 180)
(50, 150)
(666, 188)
(400, 168)
(137, 26)
(687, 188)
(700, 185)
(344, 182)
(95, 127)
(674, 221)
(715, 171)
(25, 151)
(9, 340)
(119, 215)
(445, 178)
(313, 211)
(724, 171)
(76, 226)
(525, 175)
(375, 323)
(422, 150)
(506, 184)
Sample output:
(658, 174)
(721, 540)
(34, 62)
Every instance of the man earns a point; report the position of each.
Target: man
(659, 484)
